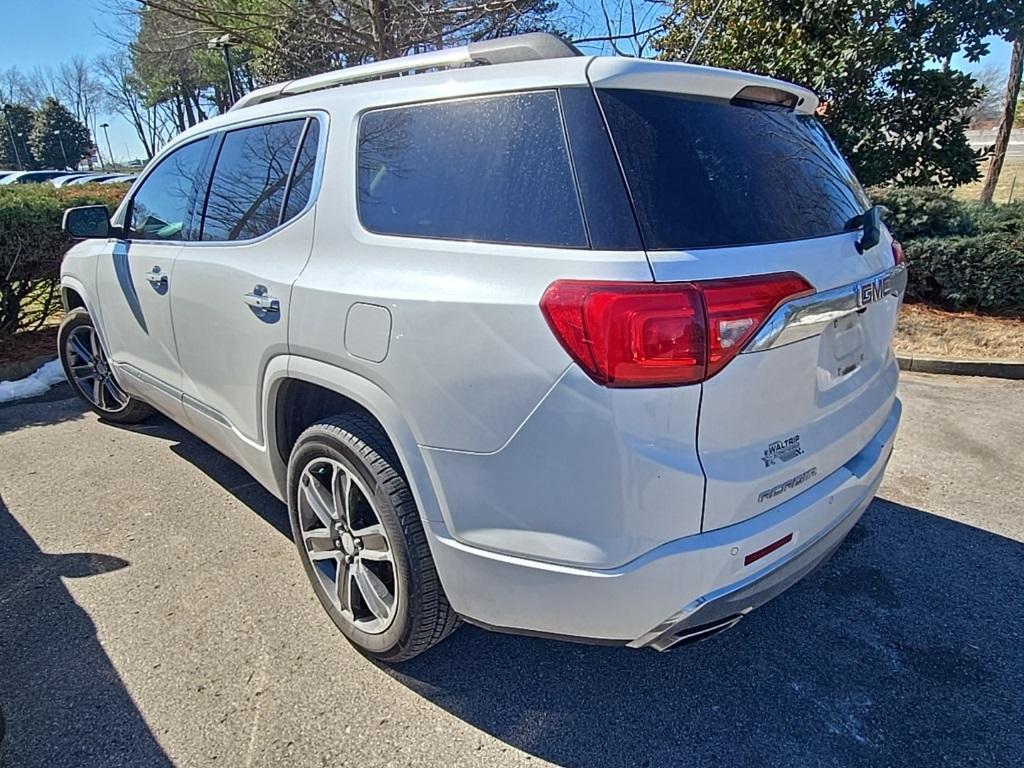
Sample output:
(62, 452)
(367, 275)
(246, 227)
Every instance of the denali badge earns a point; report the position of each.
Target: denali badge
(876, 290)
(782, 450)
(788, 485)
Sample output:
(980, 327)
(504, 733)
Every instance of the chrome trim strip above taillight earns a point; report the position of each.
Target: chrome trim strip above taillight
(808, 316)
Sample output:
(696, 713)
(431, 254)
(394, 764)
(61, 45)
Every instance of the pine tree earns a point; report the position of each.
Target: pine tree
(58, 139)
(15, 126)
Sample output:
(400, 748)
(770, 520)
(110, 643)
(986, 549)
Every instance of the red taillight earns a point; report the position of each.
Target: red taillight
(737, 308)
(897, 252)
(630, 334)
(661, 334)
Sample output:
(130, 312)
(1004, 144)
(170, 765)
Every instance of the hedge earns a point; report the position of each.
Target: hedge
(961, 255)
(32, 245)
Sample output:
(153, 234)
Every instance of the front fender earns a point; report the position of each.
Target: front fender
(72, 282)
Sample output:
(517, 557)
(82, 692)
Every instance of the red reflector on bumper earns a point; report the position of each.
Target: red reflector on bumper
(765, 551)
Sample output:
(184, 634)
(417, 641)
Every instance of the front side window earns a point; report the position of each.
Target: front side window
(160, 207)
(249, 181)
(491, 169)
(706, 173)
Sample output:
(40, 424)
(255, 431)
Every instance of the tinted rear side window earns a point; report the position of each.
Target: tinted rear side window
(248, 185)
(705, 173)
(302, 176)
(493, 169)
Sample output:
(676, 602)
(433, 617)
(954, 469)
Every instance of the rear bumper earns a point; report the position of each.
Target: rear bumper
(692, 585)
(724, 607)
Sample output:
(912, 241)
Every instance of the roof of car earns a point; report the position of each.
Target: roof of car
(568, 68)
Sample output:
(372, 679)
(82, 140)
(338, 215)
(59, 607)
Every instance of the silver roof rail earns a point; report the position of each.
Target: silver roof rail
(502, 50)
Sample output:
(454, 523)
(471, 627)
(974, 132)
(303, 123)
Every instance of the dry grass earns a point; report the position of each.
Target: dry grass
(934, 333)
(1012, 167)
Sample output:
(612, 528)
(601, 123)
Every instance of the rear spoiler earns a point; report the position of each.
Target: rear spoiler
(690, 79)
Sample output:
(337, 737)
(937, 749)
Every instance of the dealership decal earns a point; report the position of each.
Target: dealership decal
(788, 485)
(782, 450)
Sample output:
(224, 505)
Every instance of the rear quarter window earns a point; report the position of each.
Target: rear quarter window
(491, 169)
(705, 173)
(250, 179)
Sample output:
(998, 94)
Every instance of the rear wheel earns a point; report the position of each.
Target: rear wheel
(362, 545)
(88, 371)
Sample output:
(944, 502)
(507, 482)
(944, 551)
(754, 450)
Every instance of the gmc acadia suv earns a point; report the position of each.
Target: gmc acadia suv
(592, 348)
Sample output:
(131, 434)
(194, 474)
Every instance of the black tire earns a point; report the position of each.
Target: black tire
(424, 616)
(132, 411)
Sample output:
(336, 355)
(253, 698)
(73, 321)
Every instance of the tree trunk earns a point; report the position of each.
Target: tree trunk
(380, 11)
(190, 115)
(179, 114)
(1006, 124)
(197, 105)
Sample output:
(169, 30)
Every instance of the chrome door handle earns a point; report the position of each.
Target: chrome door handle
(156, 277)
(259, 299)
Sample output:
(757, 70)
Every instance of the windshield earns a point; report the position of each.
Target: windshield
(706, 172)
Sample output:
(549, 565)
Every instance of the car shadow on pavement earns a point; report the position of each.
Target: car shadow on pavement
(62, 699)
(218, 467)
(907, 648)
(57, 405)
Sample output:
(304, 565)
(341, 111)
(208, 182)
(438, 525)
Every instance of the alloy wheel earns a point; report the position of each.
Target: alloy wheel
(92, 375)
(347, 545)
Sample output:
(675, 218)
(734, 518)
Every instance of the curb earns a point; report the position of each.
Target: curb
(999, 369)
(22, 368)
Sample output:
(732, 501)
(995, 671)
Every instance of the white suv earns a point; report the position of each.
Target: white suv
(591, 348)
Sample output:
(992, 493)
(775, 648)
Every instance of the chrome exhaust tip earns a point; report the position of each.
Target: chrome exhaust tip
(693, 635)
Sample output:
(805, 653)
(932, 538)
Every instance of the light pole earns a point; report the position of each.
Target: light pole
(10, 130)
(61, 140)
(110, 152)
(224, 43)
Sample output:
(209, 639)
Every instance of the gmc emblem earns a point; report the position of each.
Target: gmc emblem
(876, 290)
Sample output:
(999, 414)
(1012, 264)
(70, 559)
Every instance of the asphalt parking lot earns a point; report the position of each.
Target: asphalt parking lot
(153, 612)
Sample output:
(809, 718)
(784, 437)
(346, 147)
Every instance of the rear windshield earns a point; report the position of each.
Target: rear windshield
(706, 173)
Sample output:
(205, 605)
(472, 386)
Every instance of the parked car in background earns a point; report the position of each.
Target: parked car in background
(94, 178)
(587, 347)
(61, 181)
(33, 177)
(121, 179)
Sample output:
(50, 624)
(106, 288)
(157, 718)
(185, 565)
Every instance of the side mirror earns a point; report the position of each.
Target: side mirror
(88, 221)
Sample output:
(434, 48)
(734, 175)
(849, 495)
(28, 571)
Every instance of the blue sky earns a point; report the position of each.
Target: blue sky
(42, 33)
(46, 32)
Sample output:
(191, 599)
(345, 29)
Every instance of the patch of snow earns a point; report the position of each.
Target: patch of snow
(34, 384)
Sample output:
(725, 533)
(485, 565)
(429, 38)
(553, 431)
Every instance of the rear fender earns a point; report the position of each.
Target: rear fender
(366, 394)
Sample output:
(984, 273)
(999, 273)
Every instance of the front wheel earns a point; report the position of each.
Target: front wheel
(361, 541)
(86, 367)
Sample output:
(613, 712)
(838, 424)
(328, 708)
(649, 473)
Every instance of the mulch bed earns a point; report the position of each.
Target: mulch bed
(27, 345)
(931, 332)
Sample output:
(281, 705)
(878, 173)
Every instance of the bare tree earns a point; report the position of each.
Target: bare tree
(354, 31)
(40, 84)
(992, 79)
(13, 87)
(78, 89)
(625, 27)
(124, 95)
